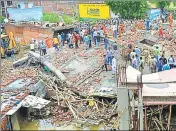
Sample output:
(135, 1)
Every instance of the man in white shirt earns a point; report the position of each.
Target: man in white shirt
(59, 38)
(115, 30)
(114, 65)
(36, 44)
(32, 46)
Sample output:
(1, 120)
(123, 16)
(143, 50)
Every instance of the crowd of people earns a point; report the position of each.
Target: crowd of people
(94, 34)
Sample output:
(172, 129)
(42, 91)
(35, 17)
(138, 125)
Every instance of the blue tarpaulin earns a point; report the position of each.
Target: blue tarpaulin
(154, 13)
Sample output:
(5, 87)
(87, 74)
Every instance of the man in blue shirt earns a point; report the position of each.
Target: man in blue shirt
(166, 67)
(147, 24)
(76, 29)
(106, 42)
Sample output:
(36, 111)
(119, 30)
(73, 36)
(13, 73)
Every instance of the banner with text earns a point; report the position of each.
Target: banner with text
(94, 11)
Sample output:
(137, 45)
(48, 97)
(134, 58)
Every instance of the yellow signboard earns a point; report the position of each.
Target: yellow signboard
(94, 11)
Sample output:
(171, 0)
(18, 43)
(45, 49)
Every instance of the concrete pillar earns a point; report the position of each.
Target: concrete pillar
(123, 106)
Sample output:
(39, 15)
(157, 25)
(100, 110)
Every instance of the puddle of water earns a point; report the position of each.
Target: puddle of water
(17, 84)
(46, 125)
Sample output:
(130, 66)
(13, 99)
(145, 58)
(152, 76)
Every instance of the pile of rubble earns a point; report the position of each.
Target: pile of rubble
(15, 74)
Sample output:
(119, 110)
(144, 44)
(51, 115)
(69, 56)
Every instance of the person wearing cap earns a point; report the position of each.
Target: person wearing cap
(114, 65)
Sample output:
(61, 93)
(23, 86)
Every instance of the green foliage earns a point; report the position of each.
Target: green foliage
(2, 18)
(170, 9)
(129, 9)
(162, 4)
(67, 19)
(50, 17)
(174, 3)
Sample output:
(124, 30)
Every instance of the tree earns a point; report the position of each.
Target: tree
(129, 9)
(162, 4)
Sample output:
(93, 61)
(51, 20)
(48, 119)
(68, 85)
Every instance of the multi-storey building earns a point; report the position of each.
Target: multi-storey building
(4, 6)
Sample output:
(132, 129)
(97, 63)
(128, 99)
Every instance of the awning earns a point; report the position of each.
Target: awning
(154, 78)
(159, 89)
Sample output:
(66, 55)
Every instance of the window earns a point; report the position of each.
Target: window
(2, 3)
(9, 3)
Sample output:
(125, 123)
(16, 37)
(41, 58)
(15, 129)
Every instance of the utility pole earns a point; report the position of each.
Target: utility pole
(140, 102)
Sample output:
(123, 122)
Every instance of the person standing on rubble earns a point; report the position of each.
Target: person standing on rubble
(87, 41)
(90, 40)
(62, 38)
(132, 56)
(12, 53)
(76, 39)
(114, 65)
(109, 55)
(115, 30)
(95, 36)
(43, 48)
(59, 39)
(105, 63)
(141, 65)
(152, 64)
(55, 43)
(160, 65)
(106, 42)
(156, 53)
(171, 62)
(98, 40)
(138, 52)
(166, 67)
(36, 45)
(32, 46)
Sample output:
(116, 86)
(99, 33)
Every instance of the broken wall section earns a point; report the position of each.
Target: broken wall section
(25, 33)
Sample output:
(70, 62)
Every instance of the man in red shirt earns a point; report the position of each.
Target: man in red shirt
(77, 38)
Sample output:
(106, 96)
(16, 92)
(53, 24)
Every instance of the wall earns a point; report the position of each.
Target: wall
(25, 33)
(27, 14)
(57, 7)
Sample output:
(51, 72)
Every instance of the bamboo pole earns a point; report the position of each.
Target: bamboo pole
(169, 118)
(146, 118)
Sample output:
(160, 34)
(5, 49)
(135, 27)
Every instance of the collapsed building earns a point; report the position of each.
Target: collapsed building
(79, 91)
(75, 85)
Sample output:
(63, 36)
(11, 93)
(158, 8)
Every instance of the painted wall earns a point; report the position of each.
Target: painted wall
(28, 14)
(27, 32)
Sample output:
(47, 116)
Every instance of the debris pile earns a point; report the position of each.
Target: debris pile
(15, 74)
